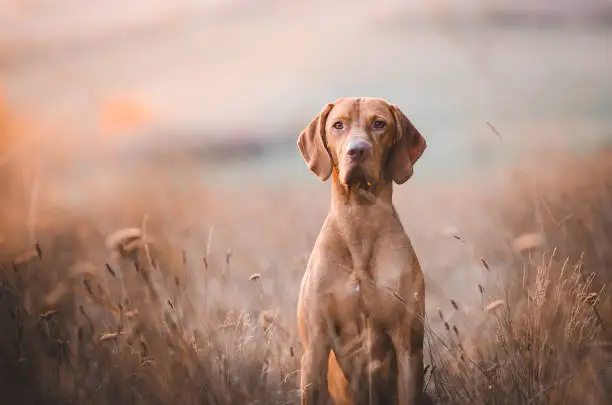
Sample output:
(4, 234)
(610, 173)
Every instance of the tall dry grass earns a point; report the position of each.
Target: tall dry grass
(140, 299)
(536, 343)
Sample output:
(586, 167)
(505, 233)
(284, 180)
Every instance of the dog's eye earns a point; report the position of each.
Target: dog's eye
(379, 124)
(338, 125)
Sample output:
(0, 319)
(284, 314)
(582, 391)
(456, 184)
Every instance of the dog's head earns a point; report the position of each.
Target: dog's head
(364, 140)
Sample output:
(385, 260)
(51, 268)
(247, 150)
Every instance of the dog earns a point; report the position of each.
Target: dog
(361, 304)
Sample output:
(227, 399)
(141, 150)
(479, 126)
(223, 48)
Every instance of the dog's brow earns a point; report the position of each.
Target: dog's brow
(375, 116)
(341, 117)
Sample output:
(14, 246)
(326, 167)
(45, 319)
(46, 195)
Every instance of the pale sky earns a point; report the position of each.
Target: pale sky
(269, 65)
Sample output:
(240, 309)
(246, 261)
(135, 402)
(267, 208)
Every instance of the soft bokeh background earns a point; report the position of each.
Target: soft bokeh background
(216, 92)
(228, 85)
(252, 73)
(187, 113)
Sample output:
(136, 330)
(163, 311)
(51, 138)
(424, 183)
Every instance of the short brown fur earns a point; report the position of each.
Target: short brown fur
(361, 303)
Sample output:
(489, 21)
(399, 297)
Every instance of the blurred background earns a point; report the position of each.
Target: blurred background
(202, 101)
(231, 83)
(180, 118)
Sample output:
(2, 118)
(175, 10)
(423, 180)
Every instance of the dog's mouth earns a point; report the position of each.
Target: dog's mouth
(356, 176)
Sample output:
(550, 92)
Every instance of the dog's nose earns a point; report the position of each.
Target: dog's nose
(356, 148)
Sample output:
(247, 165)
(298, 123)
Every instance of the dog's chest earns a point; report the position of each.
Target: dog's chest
(372, 270)
(375, 294)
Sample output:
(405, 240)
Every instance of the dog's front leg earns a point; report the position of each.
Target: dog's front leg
(314, 390)
(410, 377)
(409, 354)
(408, 342)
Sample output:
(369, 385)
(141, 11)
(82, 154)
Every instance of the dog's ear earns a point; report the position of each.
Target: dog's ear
(312, 145)
(408, 147)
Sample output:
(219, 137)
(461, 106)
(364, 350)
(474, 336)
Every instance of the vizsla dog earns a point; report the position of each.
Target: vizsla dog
(361, 304)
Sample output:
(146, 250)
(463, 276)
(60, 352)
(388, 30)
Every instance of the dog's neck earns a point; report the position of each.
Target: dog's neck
(360, 216)
(354, 198)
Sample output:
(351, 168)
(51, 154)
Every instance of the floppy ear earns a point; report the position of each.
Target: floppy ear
(312, 145)
(408, 147)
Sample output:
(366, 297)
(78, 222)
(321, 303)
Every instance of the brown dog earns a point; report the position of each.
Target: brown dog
(361, 304)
